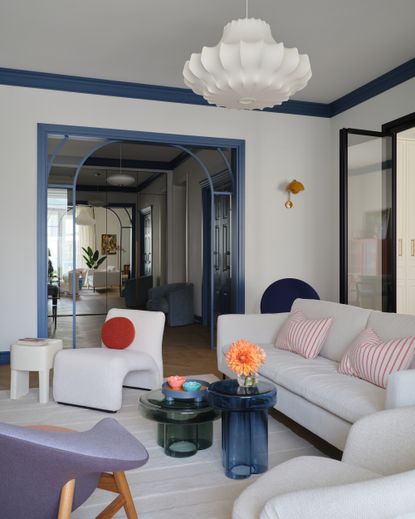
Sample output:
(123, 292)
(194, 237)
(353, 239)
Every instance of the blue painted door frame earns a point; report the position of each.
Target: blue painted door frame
(45, 130)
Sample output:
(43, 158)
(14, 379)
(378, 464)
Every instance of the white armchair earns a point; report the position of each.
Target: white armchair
(66, 285)
(374, 480)
(94, 377)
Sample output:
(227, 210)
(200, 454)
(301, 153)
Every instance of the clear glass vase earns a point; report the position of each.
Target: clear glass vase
(250, 380)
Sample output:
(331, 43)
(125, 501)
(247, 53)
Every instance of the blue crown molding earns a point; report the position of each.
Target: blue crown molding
(118, 189)
(301, 108)
(175, 163)
(379, 85)
(87, 188)
(4, 357)
(31, 79)
(85, 85)
(147, 182)
(106, 162)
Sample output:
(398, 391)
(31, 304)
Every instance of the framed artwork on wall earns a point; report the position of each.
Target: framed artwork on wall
(108, 244)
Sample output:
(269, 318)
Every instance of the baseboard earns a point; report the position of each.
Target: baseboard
(4, 357)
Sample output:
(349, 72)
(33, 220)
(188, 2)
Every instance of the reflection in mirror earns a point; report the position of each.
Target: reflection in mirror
(139, 217)
(369, 223)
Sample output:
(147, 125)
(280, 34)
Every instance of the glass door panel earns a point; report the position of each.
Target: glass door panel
(59, 239)
(367, 262)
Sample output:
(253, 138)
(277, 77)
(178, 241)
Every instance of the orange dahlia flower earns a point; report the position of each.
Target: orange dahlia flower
(244, 357)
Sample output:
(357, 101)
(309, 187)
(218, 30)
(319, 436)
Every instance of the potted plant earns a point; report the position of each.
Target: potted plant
(92, 258)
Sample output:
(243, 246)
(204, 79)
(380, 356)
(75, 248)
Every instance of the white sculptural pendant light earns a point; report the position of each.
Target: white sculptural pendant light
(247, 69)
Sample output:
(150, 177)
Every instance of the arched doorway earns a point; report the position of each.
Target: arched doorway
(231, 154)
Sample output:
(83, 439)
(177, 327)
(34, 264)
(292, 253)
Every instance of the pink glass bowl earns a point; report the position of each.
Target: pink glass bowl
(176, 382)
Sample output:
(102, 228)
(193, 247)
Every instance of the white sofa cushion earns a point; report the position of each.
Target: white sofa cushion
(318, 381)
(348, 322)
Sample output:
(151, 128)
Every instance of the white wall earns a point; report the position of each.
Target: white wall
(370, 115)
(300, 242)
(176, 231)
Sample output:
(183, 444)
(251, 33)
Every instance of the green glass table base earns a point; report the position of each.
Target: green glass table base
(181, 441)
(184, 425)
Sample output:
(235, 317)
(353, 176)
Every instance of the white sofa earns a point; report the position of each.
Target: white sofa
(66, 285)
(374, 480)
(312, 392)
(100, 279)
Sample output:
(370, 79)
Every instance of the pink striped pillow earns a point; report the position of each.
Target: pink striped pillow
(372, 359)
(303, 336)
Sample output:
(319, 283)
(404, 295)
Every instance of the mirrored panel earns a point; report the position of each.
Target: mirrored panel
(369, 222)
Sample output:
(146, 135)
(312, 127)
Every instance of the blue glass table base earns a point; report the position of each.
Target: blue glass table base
(244, 443)
(244, 426)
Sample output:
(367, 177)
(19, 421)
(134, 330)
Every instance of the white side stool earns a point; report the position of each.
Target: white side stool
(25, 358)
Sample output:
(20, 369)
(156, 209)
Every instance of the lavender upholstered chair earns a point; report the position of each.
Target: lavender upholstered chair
(38, 469)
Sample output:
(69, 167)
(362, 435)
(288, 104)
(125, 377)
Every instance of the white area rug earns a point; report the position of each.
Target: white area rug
(165, 487)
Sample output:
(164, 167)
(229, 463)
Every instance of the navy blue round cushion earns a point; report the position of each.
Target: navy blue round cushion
(281, 294)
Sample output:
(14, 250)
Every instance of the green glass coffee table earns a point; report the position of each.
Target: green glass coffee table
(184, 426)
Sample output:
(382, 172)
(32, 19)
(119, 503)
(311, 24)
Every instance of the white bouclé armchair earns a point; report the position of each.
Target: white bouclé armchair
(374, 480)
(94, 377)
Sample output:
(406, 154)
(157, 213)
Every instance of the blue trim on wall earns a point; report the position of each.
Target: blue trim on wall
(172, 139)
(110, 189)
(147, 137)
(4, 357)
(381, 84)
(104, 162)
(41, 251)
(301, 108)
(148, 181)
(32, 79)
(86, 85)
(175, 163)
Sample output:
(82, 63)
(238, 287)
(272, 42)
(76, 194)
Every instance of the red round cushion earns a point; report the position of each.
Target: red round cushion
(118, 333)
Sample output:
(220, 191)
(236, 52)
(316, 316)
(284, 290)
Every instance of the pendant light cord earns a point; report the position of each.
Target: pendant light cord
(246, 8)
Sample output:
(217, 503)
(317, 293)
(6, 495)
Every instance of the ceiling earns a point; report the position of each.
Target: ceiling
(349, 42)
(143, 162)
(97, 172)
(77, 148)
(98, 177)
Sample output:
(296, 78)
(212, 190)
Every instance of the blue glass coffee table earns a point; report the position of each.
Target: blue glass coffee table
(244, 425)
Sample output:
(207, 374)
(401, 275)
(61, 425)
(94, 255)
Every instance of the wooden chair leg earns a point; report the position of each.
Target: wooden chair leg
(117, 482)
(124, 490)
(66, 500)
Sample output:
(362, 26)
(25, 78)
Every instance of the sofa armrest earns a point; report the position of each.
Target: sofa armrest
(180, 303)
(258, 328)
(157, 292)
(400, 389)
(380, 498)
(383, 442)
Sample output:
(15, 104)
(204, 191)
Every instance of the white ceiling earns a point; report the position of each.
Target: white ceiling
(350, 42)
(76, 148)
(95, 176)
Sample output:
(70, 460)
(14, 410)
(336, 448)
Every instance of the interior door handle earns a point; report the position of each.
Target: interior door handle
(412, 247)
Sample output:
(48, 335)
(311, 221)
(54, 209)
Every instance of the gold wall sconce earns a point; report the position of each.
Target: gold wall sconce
(293, 188)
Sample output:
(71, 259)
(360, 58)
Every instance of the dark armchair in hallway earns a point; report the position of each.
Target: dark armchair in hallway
(136, 291)
(175, 300)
